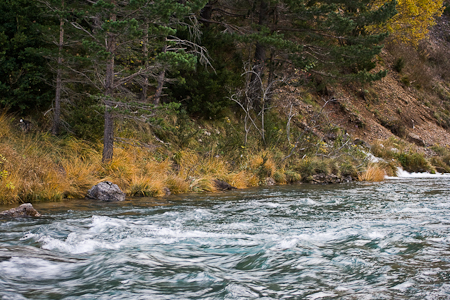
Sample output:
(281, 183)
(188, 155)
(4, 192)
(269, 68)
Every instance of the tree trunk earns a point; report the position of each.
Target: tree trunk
(206, 14)
(259, 60)
(160, 86)
(108, 134)
(57, 109)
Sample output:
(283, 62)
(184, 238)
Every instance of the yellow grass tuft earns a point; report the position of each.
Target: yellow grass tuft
(145, 186)
(373, 173)
(177, 185)
(238, 180)
(203, 184)
(80, 176)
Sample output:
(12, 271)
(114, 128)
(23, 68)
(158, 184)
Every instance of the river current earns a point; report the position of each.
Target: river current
(388, 240)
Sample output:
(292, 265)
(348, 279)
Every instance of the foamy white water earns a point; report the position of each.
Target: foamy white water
(404, 174)
(386, 240)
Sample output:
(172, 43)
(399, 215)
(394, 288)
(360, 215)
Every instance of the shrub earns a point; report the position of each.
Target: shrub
(440, 165)
(311, 166)
(279, 177)
(415, 162)
(348, 169)
(390, 167)
(399, 64)
(292, 176)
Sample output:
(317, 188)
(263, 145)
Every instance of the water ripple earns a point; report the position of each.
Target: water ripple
(353, 241)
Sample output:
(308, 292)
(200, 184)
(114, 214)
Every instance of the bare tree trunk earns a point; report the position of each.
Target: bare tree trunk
(108, 134)
(259, 60)
(145, 50)
(57, 110)
(160, 86)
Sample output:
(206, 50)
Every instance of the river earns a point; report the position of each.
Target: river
(388, 240)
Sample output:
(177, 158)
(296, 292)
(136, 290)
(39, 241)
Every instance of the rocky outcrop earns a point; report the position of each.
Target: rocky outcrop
(23, 211)
(222, 185)
(106, 191)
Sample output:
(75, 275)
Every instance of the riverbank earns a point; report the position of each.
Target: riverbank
(39, 167)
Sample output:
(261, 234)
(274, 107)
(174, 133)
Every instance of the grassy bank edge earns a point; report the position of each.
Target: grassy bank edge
(39, 167)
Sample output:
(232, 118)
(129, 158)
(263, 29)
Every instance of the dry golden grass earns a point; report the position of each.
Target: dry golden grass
(177, 185)
(32, 175)
(5, 125)
(263, 164)
(203, 184)
(373, 173)
(80, 175)
(145, 186)
(40, 167)
(238, 180)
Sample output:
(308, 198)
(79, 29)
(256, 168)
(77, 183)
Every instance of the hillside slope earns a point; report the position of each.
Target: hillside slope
(411, 104)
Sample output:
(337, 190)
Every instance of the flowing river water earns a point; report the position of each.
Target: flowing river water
(387, 240)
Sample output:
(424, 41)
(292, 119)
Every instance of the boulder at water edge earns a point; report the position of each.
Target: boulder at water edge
(106, 191)
(222, 185)
(23, 211)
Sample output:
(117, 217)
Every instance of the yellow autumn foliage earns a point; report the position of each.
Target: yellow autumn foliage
(413, 20)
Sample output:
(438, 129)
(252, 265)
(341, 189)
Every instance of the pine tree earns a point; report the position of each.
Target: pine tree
(114, 34)
(24, 73)
(334, 41)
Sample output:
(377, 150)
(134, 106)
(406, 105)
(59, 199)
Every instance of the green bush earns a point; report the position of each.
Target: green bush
(292, 176)
(415, 162)
(313, 166)
(399, 64)
(348, 169)
(279, 177)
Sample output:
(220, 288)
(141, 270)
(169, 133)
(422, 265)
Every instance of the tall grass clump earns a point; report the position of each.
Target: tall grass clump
(30, 173)
(373, 172)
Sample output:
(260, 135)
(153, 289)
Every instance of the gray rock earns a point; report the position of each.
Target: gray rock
(270, 181)
(23, 211)
(166, 191)
(106, 191)
(222, 185)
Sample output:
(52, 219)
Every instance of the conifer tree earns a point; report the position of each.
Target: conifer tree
(326, 37)
(113, 35)
(24, 74)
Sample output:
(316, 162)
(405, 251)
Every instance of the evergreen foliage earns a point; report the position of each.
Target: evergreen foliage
(126, 58)
(206, 90)
(24, 73)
